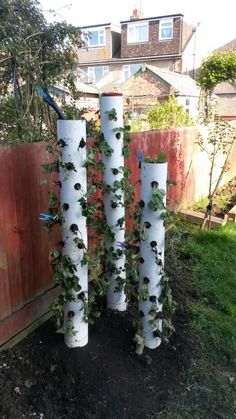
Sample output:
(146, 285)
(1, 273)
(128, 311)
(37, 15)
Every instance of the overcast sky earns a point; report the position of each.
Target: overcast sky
(216, 17)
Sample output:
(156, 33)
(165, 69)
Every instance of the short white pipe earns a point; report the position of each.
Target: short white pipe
(152, 233)
(116, 298)
(72, 140)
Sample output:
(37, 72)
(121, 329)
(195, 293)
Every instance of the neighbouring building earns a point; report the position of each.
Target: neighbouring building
(166, 42)
(151, 84)
(226, 92)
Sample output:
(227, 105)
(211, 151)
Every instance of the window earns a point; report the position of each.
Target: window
(137, 32)
(96, 38)
(96, 73)
(130, 69)
(166, 29)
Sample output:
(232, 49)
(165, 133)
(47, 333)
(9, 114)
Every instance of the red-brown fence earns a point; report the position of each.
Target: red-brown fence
(24, 243)
(26, 285)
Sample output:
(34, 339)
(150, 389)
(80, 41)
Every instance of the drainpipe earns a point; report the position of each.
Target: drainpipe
(114, 201)
(151, 266)
(72, 138)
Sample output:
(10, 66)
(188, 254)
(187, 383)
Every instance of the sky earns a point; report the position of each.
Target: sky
(216, 18)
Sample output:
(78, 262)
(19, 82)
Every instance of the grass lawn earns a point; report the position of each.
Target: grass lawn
(208, 388)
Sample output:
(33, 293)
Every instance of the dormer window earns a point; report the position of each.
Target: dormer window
(165, 29)
(96, 38)
(137, 32)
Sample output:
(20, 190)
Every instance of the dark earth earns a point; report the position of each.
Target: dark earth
(103, 380)
(41, 378)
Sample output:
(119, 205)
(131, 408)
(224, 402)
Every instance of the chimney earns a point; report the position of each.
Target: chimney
(137, 14)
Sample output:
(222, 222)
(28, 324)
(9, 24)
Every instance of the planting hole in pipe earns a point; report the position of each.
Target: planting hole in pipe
(118, 135)
(82, 143)
(147, 224)
(115, 171)
(154, 184)
(146, 280)
(62, 143)
(71, 314)
(81, 296)
(153, 298)
(153, 243)
(74, 228)
(65, 206)
(141, 204)
(77, 186)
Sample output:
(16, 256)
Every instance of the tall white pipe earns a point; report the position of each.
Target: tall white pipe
(73, 176)
(152, 234)
(111, 107)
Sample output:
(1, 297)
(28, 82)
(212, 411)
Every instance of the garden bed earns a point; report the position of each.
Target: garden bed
(194, 376)
(224, 200)
(105, 379)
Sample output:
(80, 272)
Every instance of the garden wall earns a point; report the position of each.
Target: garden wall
(26, 286)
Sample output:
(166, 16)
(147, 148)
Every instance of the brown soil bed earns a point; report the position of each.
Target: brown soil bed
(105, 379)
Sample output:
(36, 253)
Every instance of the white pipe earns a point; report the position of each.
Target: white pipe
(152, 233)
(72, 137)
(116, 298)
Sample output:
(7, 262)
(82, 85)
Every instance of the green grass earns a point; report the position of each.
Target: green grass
(208, 390)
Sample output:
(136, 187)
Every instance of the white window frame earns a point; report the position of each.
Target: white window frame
(127, 68)
(169, 24)
(92, 71)
(134, 26)
(101, 38)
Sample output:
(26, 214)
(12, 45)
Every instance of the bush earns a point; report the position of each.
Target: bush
(168, 114)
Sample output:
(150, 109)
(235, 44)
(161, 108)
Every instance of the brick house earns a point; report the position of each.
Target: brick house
(163, 41)
(151, 84)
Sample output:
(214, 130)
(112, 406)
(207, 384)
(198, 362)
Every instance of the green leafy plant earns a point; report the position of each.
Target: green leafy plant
(33, 53)
(168, 114)
(157, 200)
(217, 68)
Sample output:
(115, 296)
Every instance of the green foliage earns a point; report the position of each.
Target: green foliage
(217, 68)
(168, 114)
(112, 115)
(160, 158)
(208, 384)
(33, 54)
(156, 202)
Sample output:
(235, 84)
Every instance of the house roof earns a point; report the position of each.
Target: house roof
(225, 89)
(230, 46)
(152, 18)
(86, 88)
(183, 85)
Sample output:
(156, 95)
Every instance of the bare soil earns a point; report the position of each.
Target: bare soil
(105, 379)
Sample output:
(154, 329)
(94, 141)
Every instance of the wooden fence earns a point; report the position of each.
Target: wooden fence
(25, 278)
(26, 285)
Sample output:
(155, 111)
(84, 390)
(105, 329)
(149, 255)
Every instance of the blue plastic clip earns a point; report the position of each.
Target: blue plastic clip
(122, 245)
(45, 217)
(140, 158)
